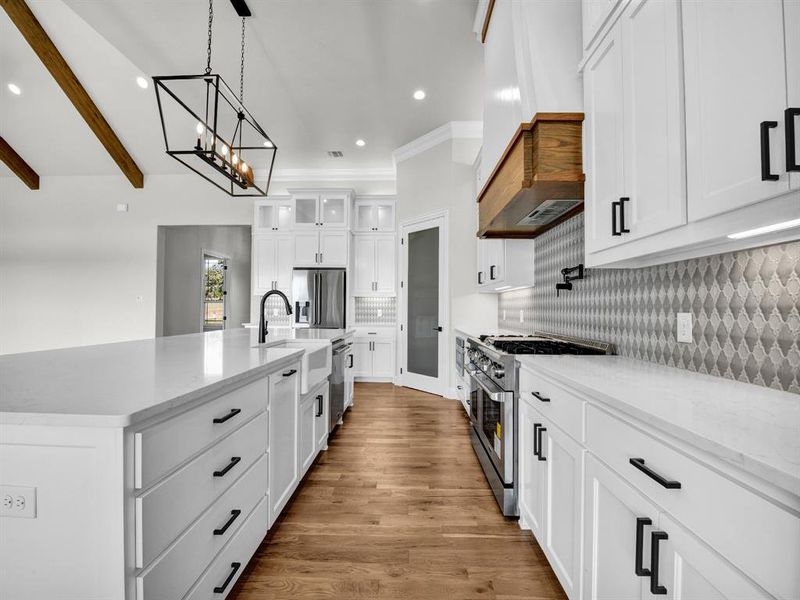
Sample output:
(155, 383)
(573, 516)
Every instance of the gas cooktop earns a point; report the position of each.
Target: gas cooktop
(538, 344)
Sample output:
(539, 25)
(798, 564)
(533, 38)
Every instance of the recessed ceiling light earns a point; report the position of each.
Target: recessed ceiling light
(419, 95)
(361, 143)
(142, 82)
(14, 89)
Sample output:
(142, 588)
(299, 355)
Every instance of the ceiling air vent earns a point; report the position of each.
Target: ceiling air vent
(335, 153)
(548, 211)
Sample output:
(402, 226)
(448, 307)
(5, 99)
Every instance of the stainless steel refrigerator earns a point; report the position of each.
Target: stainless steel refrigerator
(319, 298)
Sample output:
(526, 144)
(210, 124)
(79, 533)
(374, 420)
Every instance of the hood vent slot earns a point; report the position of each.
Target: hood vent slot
(548, 211)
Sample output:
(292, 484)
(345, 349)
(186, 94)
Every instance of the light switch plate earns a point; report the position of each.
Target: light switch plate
(684, 333)
(18, 501)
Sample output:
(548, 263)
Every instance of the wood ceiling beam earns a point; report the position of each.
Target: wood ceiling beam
(18, 165)
(30, 28)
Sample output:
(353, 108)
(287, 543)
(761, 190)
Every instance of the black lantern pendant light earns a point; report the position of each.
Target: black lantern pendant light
(211, 131)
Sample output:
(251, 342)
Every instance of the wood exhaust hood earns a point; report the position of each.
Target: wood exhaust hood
(538, 182)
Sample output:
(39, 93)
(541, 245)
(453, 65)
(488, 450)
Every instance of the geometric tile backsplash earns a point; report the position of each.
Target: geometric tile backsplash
(744, 306)
(375, 311)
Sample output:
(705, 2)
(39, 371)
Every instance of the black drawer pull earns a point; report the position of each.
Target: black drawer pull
(350, 356)
(614, 226)
(491, 272)
(655, 538)
(766, 170)
(536, 438)
(234, 569)
(667, 483)
(290, 373)
(229, 466)
(622, 228)
(541, 431)
(640, 525)
(230, 415)
(319, 406)
(539, 397)
(791, 153)
(234, 515)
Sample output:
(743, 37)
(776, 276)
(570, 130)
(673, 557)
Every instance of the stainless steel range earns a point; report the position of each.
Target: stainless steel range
(494, 394)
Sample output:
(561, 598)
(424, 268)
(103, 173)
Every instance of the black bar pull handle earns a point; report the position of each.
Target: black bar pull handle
(228, 467)
(350, 356)
(766, 174)
(480, 277)
(539, 397)
(230, 415)
(541, 431)
(622, 228)
(667, 483)
(234, 515)
(319, 406)
(655, 538)
(641, 522)
(491, 272)
(791, 148)
(220, 589)
(536, 438)
(290, 373)
(614, 226)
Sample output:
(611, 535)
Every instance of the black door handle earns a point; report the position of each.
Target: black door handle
(234, 568)
(319, 406)
(290, 373)
(766, 174)
(791, 153)
(230, 415)
(535, 438)
(539, 397)
(491, 272)
(439, 329)
(667, 483)
(622, 228)
(614, 226)
(655, 538)
(541, 431)
(640, 525)
(234, 515)
(228, 467)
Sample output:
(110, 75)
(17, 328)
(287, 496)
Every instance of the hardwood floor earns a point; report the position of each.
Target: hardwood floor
(398, 508)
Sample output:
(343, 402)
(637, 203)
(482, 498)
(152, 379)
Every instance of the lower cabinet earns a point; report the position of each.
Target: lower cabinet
(373, 355)
(532, 473)
(283, 435)
(313, 419)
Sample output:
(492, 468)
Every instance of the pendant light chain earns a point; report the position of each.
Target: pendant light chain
(210, 22)
(241, 70)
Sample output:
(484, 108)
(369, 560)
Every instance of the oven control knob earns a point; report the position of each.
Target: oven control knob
(498, 371)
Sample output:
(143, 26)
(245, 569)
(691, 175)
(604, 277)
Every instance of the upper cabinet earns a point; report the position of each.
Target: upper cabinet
(321, 209)
(689, 112)
(374, 214)
(504, 265)
(272, 214)
(374, 265)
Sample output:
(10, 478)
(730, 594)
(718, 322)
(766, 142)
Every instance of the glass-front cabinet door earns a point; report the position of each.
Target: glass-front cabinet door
(333, 210)
(273, 214)
(306, 211)
(374, 215)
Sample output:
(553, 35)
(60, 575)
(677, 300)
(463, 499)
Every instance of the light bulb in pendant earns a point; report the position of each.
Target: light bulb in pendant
(234, 158)
(200, 128)
(224, 150)
(244, 167)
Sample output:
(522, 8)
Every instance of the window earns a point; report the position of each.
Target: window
(214, 292)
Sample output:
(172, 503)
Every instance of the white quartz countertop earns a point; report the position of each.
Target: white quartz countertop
(115, 385)
(754, 428)
(280, 334)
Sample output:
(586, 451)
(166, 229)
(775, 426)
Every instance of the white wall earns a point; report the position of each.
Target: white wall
(435, 180)
(73, 271)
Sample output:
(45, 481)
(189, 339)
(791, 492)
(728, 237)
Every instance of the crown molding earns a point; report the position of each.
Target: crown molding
(300, 175)
(448, 131)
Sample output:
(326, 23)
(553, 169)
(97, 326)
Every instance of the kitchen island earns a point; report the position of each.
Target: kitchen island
(152, 468)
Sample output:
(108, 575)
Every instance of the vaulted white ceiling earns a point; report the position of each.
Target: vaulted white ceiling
(319, 75)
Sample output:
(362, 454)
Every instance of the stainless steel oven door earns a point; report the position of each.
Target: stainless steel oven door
(492, 416)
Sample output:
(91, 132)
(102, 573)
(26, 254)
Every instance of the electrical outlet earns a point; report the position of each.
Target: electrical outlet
(380, 313)
(18, 501)
(521, 316)
(684, 333)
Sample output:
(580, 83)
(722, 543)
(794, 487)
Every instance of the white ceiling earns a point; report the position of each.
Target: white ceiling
(319, 75)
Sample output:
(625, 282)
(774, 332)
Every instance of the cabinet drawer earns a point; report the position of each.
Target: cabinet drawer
(231, 561)
(177, 569)
(157, 450)
(165, 510)
(553, 401)
(752, 533)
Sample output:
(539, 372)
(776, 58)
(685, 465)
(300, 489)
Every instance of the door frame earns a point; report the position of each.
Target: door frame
(440, 219)
(226, 259)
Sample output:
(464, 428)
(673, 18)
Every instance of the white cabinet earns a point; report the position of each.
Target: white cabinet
(505, 264)
(320, 248)
(374, 265)
(736, 78)
(321, 209)
(273, 214)
(373, 214)
(321, 418)
(634, 128)
(532, 473)
(283, 435)
(373, 354)
(273, 259)
(306, 441)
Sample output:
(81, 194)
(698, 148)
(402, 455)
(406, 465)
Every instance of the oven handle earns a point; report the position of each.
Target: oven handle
(501, 396)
